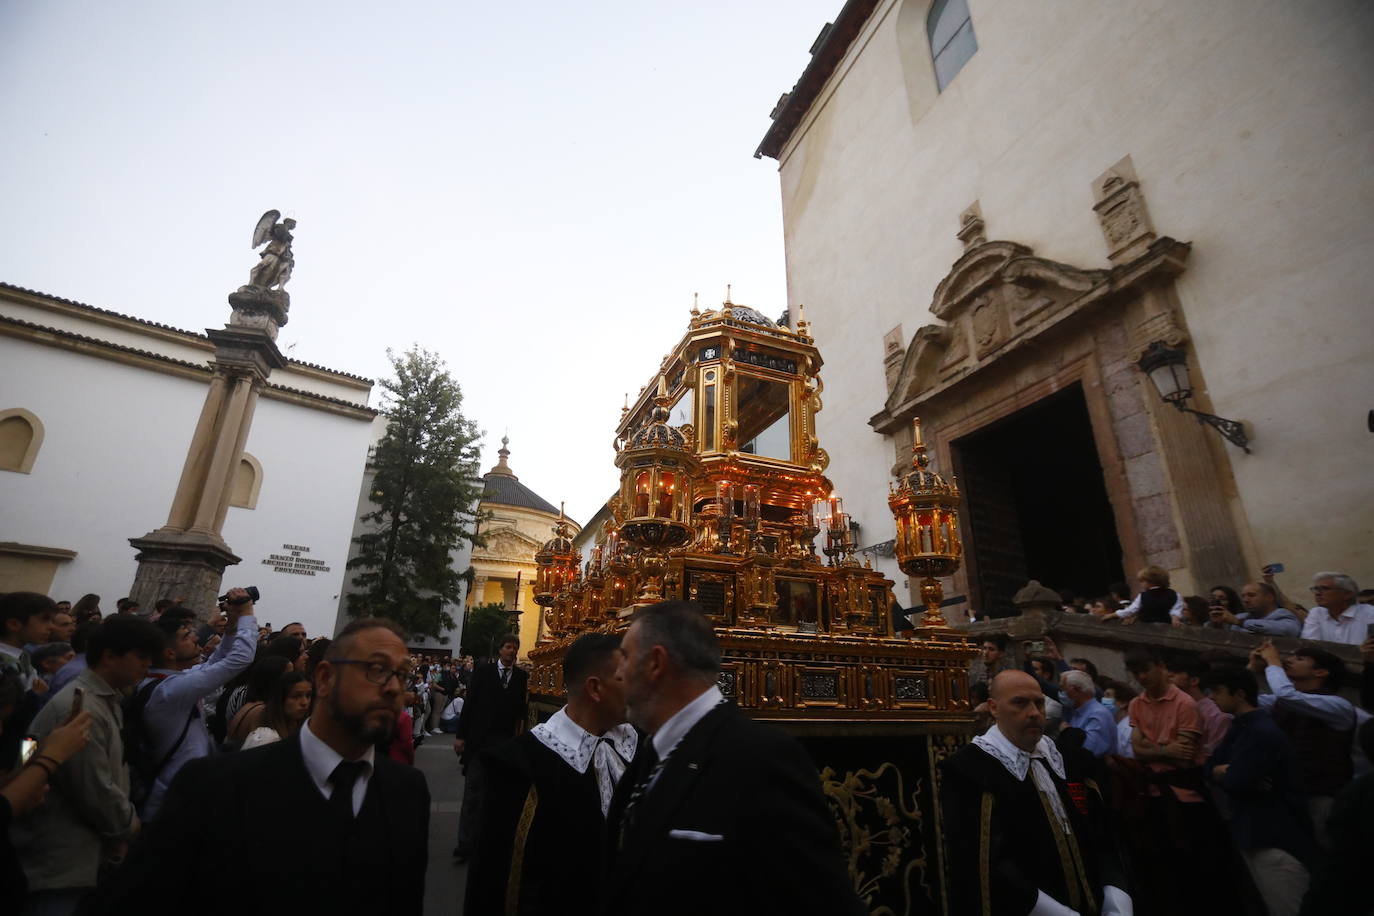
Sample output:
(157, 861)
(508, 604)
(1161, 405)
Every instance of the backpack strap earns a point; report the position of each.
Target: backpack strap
(195, 709)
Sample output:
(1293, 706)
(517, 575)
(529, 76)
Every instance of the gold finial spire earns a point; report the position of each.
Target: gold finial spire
(727, 295)
(695, 311)
(625, 408)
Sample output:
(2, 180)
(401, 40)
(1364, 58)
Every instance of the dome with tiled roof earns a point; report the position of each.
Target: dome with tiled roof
(503, 488)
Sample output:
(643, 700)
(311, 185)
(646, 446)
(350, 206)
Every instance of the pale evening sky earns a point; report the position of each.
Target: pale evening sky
(534, 191)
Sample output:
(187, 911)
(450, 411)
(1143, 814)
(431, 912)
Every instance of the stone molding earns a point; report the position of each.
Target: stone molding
(156, 362)
(36, 434)
(998, 297)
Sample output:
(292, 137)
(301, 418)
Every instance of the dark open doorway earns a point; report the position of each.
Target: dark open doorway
(1038, 505)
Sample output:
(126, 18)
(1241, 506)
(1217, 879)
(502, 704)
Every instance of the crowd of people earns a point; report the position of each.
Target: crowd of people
(140, 744)
(99, 715)
(1207, 782)
(1340, 612)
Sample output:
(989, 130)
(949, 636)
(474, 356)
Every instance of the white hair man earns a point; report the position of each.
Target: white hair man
(1338, 617)
(1087, 713)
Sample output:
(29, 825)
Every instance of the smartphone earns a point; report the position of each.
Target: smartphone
(1035, 646)
(78, 698)
(1369, 631)
(27, 750)
(1272, 569)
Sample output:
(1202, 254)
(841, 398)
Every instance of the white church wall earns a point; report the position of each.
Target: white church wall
(1247, 123)
(115, 442)
(295, 542)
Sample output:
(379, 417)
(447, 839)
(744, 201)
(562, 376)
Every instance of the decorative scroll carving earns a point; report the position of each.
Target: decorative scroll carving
(1120, 208)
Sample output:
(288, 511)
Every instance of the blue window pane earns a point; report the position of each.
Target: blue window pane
(951, 58)
(944, 19)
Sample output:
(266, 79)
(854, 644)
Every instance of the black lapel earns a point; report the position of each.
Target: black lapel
(684, 764)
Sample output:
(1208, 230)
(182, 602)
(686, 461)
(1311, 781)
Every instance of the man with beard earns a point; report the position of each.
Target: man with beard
(720, 814)
(542, 825)
(365, 842)
(1016, 841)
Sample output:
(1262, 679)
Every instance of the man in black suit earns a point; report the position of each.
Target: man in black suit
(317, 822)
(545, 795)
(720, 814)
(493, 711)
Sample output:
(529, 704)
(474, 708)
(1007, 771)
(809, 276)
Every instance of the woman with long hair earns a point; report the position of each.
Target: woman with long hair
(250, 709)
(88, 608)
(287, 708)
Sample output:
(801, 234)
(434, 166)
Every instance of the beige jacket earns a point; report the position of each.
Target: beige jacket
(60, 843)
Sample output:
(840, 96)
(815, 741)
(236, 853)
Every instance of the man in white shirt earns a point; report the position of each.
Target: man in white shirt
(1338, 616)
(720, 814)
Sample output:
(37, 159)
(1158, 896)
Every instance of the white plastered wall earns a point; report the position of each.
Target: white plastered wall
(1251, 129)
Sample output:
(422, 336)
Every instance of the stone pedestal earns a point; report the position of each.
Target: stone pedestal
(182, 565)
(186, 557)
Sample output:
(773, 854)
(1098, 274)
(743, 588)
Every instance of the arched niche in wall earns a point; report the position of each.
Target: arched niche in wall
(21, 436)
(247, 483)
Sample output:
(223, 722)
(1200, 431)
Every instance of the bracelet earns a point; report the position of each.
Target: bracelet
(53, 760)
(37, 761)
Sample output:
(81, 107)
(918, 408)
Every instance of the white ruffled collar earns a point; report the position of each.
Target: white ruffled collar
(577, 746)
(1016, 760)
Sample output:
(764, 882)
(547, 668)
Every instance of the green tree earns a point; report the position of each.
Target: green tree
(425, 494)
(485, 624)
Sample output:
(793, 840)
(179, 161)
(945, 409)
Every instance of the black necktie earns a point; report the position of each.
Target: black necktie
(505, 677)
(650, 769)
(343, 778)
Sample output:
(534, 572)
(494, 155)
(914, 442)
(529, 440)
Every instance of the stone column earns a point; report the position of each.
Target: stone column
(186, 557)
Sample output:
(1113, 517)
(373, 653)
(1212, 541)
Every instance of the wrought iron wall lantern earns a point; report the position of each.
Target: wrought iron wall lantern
(1167, 368)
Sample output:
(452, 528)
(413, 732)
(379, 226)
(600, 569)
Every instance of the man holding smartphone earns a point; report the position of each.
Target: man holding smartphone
(88, 818)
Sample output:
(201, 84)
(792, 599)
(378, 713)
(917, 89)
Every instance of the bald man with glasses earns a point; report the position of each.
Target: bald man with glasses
(316, 823)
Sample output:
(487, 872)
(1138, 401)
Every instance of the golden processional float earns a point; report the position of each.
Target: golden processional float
(722, 497)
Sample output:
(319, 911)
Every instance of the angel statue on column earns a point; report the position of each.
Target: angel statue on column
(274, 268)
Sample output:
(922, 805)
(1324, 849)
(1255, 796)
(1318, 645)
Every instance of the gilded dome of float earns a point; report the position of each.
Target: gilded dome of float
(656, 433)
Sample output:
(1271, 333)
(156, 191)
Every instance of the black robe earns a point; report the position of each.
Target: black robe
(542, 838)
(1002, 847)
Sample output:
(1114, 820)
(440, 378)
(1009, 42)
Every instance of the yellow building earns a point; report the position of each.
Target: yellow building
(518, 523)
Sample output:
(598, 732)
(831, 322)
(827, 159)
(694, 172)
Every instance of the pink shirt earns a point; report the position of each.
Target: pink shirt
(1215, 725)
(1160, 722)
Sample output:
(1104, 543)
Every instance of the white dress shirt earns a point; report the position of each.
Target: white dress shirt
(1351, 628)
(1133, 608)
(320, 761)
(671, 733)
(579, 748)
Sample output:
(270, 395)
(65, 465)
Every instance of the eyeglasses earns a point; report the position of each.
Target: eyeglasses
(375, 672)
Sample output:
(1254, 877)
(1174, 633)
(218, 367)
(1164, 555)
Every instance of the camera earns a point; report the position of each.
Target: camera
(253, 595)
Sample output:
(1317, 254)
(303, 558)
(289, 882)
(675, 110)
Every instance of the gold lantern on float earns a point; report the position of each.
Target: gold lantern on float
(556, 569)
(926, 508)
(656, 464)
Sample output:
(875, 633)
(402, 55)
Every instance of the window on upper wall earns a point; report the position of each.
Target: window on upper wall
(952, 41)
(247, 483)
(21, 435)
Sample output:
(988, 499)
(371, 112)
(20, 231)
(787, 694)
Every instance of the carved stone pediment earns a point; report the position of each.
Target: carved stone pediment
(508, 544)
(997, 293)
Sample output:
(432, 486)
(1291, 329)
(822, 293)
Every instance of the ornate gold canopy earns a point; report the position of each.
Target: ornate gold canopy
(722, 495)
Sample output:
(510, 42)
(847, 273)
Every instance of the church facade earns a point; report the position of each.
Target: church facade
(96, 412)
(993, 210)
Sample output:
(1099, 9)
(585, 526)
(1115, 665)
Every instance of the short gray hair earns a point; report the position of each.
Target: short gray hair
(683, 631)
(1341, 579)
(1075, 678)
